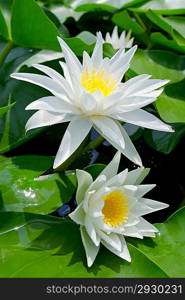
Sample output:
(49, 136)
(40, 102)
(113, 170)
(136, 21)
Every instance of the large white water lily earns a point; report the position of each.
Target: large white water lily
(111, 207)
(117, 42)
(91, 94)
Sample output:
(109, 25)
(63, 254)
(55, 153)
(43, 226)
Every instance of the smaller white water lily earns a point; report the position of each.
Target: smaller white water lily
(112, 207)
(117, 42)
(92, 94)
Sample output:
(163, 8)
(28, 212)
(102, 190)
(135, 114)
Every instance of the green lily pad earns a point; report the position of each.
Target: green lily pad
(21, 191)
(171, 109)
(163, 64)
(167, 249)
(158, 39)
(45, 246)
(165, 142)
(160, 64)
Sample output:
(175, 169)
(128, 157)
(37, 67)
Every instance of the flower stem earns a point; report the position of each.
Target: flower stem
(6, 50)
(94, 144)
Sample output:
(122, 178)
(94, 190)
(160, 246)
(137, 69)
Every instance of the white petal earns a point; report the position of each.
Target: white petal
(131, 103)
(97, 184)
(66, 72)
(112, 239)
(112, 168)
(140, 209)
(78, 215)
(122, 37)
(88, 103)
(124, 253)
(132, 220)
(155, 205)
(129, 151)
(73, 64)
(142, 118)
(115, 36)
(144, 226)
(116, 56)
(44, 118)
(129, 44)
(118, 180)
(123, 60)
(71, 59)
(91, 249)
(52, 104)
(112, 100)
(56, 77)
(132, 231)
(108, 38)
(76, 132)
(109, 129)
(97, 54)
(142, 189)
(137, 176)
(91, 231)
(101, 225)
(84, 181)
(43, 81)
(92, 190)
(150, 85)
(134, 85)
(148, 234)
(130, 190)
(87, 63)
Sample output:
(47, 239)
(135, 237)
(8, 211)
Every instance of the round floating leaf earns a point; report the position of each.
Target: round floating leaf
(158, 39)
(167, 249)
(31, 27)
(164, 65)
(165, 141)
(45, 246)
(171, 109)
(21, 191)
(160, 64)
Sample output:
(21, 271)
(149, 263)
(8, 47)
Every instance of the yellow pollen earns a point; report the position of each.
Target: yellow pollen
(96, 81)
(115, 208)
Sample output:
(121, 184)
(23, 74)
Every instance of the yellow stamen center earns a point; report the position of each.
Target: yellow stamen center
(115, 208)
(97, 81)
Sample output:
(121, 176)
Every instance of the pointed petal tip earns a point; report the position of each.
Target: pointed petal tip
(166, 205)
(171, 129)
(89, 262)
(61, 42)
(59, 39)
(13, 75)
(56, 165)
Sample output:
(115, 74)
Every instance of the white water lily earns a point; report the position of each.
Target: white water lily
(111, 207)
(124, 41)
(91, 94)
